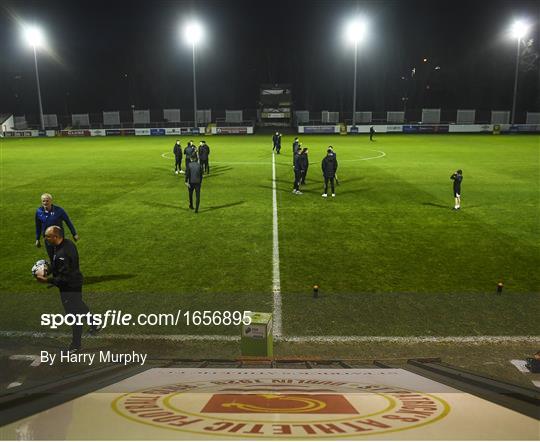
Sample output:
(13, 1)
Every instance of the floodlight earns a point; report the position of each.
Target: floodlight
(193, 32)
(519, 29)
(34, 36)
(355, 30)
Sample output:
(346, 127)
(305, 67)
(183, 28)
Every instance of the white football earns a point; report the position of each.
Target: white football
(40, 268)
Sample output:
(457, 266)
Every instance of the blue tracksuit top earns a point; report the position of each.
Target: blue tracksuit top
(55, 217)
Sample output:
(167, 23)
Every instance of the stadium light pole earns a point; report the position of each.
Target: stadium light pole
(34, 37)
(354, 33)
(518, 30)
(193, 34)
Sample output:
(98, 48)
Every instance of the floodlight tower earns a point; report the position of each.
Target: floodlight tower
(193, 34)
(34, 37)
(354, 33)
(518, 30)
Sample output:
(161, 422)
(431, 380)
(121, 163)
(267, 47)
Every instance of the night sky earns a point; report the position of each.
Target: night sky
(111, 55)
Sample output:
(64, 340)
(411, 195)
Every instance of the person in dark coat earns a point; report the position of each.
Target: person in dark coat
(335, 155)
(457, 177)
(66, 275)
(188, 152)
(194, 177)
(177, 150)
(204, 152)
(371, 133)
(329, 169)
(295, 146)
(304, 161)
(276, 139)
(297, 173)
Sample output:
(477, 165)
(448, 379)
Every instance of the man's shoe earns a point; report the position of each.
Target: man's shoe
(181, 171)
(324, 195)
(191, 207)
(294, 191)
(333, 195)
(176, 172)
(299, 193)
(197, 211)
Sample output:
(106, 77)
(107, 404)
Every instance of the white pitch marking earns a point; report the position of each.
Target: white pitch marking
(301, 339)
(413, 339)
(520, 365)
(264, 163)
(381, 154)
(22, 334)
(36, 360)
(276, 280)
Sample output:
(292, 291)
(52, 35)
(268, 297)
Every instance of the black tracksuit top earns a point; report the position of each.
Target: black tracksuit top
(66, 274)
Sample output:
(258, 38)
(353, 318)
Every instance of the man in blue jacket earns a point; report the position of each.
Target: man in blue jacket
(50, 215)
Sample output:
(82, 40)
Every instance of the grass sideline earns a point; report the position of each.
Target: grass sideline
(390, 256)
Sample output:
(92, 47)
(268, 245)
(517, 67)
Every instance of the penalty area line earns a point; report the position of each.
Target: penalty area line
(297, 339)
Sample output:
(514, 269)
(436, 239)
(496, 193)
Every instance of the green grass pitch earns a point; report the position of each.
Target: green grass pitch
(390, 256)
